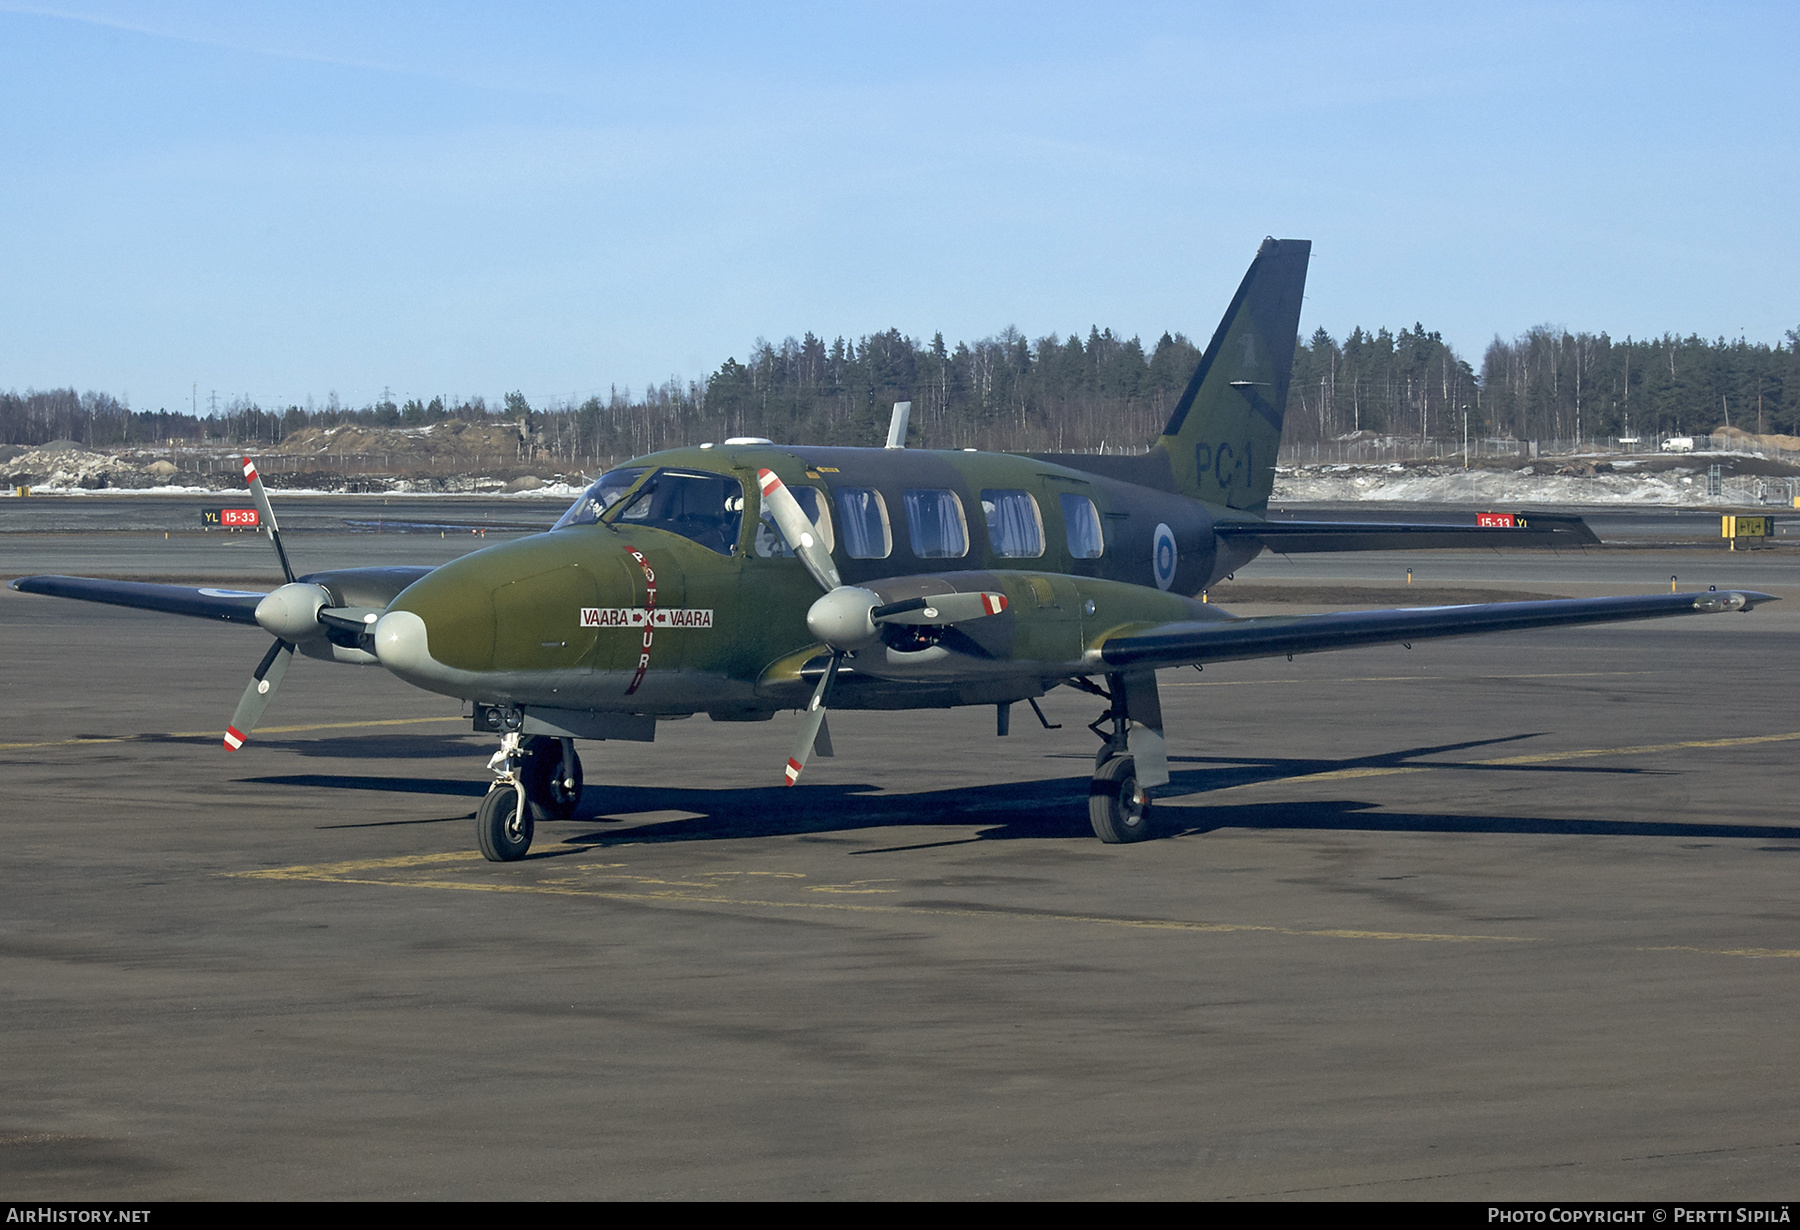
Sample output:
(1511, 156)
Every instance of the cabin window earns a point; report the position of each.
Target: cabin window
(1015, 527)
(607, 491)
(1082, 520)
(771, 543)
(935, 520)
(704, 508)
(864, 516)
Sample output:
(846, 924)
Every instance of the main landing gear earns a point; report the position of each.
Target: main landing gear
(536, 778)
(1131, 760)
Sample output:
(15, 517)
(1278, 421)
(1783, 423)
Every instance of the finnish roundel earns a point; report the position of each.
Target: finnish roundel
(1163, 556)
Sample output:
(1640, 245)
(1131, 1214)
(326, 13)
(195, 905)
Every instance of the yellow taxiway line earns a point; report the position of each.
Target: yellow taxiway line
(219, 734)
(1439, 678)
(654, 891)
(1529, 758)
(563, 886)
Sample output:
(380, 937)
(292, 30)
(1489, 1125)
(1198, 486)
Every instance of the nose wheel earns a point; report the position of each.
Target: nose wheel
(534, 779)
(502, 827)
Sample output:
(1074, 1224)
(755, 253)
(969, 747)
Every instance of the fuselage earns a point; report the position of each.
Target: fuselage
(668, 592)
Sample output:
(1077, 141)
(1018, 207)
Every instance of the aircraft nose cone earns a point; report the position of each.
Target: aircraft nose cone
(403, 644)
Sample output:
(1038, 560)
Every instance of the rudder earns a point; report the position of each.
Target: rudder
(1222, 439)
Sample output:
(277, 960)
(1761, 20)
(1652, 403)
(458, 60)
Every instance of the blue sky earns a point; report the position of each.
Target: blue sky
(281, 202)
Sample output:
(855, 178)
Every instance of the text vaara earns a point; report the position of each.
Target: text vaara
(637, 617)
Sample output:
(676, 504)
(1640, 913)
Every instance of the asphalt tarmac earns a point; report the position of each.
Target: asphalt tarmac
(1487, 919)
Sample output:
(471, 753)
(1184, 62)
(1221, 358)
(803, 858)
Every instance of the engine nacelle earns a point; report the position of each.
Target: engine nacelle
(292, 612)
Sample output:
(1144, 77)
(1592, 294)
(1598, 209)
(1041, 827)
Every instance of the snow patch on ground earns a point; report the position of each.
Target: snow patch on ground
(1432, 485)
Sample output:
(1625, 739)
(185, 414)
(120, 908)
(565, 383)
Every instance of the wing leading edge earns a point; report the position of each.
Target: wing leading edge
(204, 602)
(1186, 643)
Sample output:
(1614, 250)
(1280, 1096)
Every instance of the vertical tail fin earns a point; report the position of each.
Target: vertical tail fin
(1222, 439)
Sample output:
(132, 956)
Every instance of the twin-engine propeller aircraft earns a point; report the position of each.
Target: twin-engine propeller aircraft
(747, 578)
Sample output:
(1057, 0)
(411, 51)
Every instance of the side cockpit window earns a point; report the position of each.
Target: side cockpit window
(606, 492)
(704, 508)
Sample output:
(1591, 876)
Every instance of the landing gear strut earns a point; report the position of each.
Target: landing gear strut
(536, 778)
(1118, 798)
(503, 821)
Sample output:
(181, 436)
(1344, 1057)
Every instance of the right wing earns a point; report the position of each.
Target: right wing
(1284, 535)
(1188, 643)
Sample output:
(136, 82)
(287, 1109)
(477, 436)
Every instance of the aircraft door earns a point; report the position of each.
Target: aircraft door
(651, 639)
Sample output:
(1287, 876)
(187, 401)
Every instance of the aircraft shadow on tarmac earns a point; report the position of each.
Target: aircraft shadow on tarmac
(387, 747)
(1047, 808)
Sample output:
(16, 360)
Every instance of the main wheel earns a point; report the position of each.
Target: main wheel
(502, 835)
(1118, 808)
(553, 794)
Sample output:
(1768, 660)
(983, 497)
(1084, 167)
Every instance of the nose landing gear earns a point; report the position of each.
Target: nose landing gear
(535, 778)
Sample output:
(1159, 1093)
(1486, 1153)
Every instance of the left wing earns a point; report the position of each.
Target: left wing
(1189, 642)
(237, 606)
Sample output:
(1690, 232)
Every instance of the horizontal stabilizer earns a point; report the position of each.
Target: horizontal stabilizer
(1186, 643)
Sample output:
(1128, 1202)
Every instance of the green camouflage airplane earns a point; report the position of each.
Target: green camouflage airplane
(745, 578)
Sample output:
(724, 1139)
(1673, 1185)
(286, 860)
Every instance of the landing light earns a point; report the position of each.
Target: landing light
(498, 717)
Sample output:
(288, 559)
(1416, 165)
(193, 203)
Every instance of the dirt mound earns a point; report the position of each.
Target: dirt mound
(55, 466)
(1737, 438)
(496, 441)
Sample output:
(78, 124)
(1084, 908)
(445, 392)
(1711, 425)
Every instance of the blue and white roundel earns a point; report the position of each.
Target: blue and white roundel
(1163, 556)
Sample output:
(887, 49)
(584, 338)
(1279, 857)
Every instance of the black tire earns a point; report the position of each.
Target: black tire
(501, 838)
(544, 789)
(1117, 808)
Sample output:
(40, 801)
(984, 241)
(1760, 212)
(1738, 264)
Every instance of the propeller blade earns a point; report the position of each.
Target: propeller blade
(813, 722)
(939, 609)
(798, 529)
(258, 694)
(267, 513)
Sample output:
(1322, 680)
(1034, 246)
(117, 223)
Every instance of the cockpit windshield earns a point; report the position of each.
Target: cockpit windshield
(706, 508)
(601, 496)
